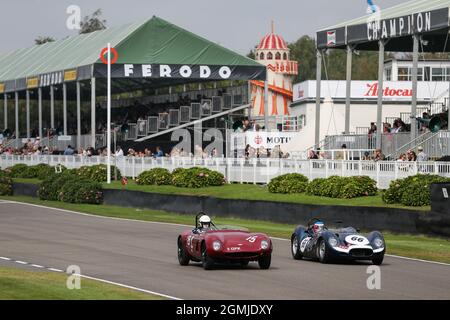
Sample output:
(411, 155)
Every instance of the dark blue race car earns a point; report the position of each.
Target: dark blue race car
(316, 241)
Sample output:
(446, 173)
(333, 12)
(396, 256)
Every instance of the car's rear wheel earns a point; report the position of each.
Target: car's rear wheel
(264, 261)
(378, 260)
(295, 248)
(183, 256)
(322, 252)
(207, 262)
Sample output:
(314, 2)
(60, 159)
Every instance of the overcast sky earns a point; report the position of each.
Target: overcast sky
(235, 24)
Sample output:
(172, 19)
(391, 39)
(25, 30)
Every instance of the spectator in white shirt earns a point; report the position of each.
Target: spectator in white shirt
(421, 156)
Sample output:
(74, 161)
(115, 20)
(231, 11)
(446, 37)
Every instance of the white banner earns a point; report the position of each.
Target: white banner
(392, 90)
(258, 139)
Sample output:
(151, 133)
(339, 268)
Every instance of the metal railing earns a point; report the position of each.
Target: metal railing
(254, 170)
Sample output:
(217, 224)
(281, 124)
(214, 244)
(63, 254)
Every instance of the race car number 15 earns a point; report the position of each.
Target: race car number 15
(251, 239)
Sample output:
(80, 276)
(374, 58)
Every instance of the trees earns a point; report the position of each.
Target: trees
(93, 23)
(43, 39)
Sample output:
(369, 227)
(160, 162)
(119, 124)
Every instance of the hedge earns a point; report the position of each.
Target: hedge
(196, 178)
(98, 173)
(342, 187)
(156, 176)
(288, 183)
(68, 187)
(6, 182)
(40, 171)
(412, 191)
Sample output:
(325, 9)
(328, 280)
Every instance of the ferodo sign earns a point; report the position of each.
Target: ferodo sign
(175, 71)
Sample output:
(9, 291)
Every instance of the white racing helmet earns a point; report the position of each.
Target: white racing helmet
(205, 221)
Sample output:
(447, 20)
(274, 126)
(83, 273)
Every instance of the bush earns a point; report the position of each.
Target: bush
(156, 176)
(314, 188)
(412, 191)
(80, 190)
(51, 187)
(17, 170)
(6, 182)
(343, 187)
(196, 178)
(288, 183)
(98, 172)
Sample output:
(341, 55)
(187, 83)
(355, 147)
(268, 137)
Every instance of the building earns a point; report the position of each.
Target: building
(397, 96)
(273, 52)
(428, 70)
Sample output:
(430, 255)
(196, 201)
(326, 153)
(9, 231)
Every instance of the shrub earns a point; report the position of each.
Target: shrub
(196, 178)
(314, 187)
(51, 187)
(343, 187)
(288, 183)
(156, 176)
(6, 182)
(17, 170)
(358, 186)
(97, 172)
(412, 191)
(80, 190)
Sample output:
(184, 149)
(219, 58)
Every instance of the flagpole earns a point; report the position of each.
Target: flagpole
(108, 120)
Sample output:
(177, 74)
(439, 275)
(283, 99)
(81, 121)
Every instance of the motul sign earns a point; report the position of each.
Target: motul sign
(387, 91)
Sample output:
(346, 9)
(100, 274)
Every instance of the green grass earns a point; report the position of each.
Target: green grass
(19, 284)
(413, 246)
(253, 192)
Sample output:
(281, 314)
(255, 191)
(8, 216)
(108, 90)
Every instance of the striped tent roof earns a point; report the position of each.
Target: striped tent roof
(272, 41)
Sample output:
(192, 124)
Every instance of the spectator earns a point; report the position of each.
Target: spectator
(421, 156)
(341, 155)
(119, 152)
(159, 153)
(69, 151)
(366, 156)
(411, 155)
(373, 128)
(378, 156)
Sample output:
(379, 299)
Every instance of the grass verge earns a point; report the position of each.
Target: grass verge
(252, 192)
(19, 284)
(413, 246)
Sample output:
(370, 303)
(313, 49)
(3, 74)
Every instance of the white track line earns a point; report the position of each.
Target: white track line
(98, 279)
(178, 224)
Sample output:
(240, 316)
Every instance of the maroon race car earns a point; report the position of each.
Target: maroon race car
(208, 244)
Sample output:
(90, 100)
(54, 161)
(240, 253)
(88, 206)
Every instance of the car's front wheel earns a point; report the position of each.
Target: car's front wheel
(183, 256)
(295, 248)
(264, 261)
(322, 252)
(207, 261)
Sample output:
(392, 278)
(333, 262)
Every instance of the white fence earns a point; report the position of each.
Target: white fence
(252, 170)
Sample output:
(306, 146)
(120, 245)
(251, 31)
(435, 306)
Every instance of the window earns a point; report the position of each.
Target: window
(277, 56)
(269, 56)
(437, 74)
(388, 74)
(285, 56)
(403, 74)
(261, 56)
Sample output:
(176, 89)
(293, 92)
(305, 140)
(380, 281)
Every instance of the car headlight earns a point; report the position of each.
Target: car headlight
(264, 244)
(217, 245)
(378, 242)
(333, 242)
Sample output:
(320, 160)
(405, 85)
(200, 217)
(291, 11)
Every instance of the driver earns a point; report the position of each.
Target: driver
(205, 223)
(317, 227)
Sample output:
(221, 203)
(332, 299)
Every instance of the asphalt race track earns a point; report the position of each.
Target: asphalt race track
(143, 255)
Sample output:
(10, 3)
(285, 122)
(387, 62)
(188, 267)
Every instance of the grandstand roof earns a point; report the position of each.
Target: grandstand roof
(430, 18)
(154, 43)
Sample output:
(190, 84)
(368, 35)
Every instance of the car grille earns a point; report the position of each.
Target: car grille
(361, 253)
(237, 255)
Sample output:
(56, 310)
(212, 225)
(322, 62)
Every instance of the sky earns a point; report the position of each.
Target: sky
(235, 24)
